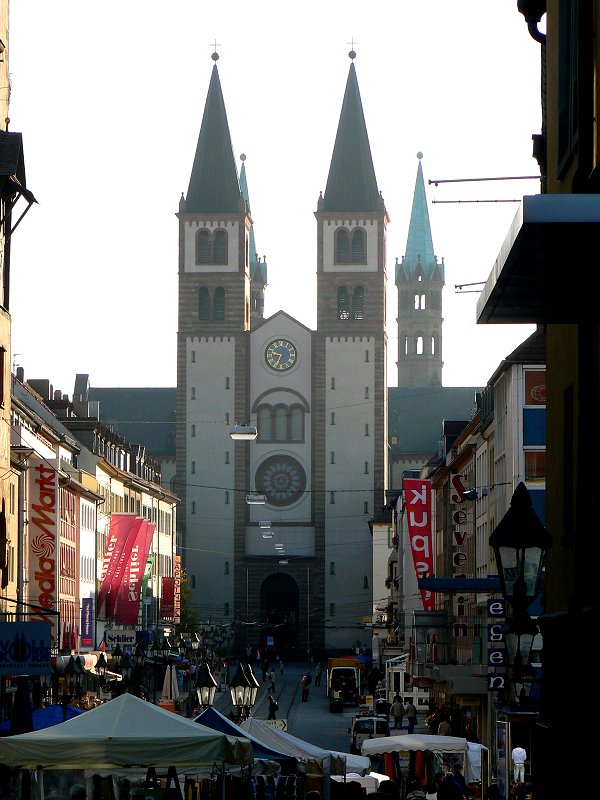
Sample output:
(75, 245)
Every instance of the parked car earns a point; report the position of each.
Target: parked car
(367, 727)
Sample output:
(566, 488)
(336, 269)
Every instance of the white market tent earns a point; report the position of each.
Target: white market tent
(126, 732)
(413, 742)
(334, 762)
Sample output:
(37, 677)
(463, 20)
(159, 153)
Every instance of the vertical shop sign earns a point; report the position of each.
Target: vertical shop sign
(417, 495)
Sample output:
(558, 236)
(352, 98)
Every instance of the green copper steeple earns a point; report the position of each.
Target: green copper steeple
(214, 184)
(351, 184)
(419, 244)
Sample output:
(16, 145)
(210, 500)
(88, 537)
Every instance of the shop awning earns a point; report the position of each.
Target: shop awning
(549, 234)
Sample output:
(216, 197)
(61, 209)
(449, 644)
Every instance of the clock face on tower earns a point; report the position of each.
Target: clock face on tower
(280, 354)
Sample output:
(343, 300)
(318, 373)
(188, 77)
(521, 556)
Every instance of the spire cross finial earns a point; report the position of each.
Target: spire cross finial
(352, 52)
(215, 55)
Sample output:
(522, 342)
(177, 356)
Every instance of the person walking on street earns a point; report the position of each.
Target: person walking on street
(271, 677)
(318, 672)
(305, 686)
(273, 706)
(397, 711)
(519, 756)
(281, 666)
(411, 716)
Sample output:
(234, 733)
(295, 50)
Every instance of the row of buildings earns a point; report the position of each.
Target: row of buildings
(333, 439)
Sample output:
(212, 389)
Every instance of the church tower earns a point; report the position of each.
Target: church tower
(214, 316)
(420, 280)
(350, 396)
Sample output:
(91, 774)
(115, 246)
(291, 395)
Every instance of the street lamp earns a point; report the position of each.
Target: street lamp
(206, 685)
(520, 541)
(243, 693)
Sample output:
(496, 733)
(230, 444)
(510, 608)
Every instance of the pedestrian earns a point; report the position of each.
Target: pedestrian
(281, 667)
(318, 673)
(273, 706)
(449, 789)
(411, 716)
(414, 790)
(264, 666)
(271, 677)
(460, 779)
(305, 686)
(444, 728)
(397, 711)
(519, 756)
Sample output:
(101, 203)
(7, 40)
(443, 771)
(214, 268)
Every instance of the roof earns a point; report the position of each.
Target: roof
(124, 732)
(212, 718)
(419, 244)
(140, 415)
(351, 184)
(214, 184)
(416, 415)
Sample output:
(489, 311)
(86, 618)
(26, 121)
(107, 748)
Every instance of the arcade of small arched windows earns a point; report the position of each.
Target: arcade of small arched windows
(350, 247)
(211, 246)
(420, 301)
(350, 309)
(280, 422)
(211, 306)
(419, 344)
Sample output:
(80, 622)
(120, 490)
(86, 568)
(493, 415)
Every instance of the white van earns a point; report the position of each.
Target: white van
(367, 727)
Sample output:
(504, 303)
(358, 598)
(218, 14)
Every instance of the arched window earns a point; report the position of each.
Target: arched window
(343, 304)
(359, 246)
(358, 303)
(297, 424)
(419, 345)
(404, 341)
(342, 246)
(433, 345)
(219, 303)
(220, 247)
(203, 248)
(203, 303)
(264, 422)
(281, 418)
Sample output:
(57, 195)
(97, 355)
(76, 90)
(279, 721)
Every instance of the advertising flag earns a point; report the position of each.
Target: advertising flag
(120, 525)
(417, 496)
(43, 544)
(130, 590)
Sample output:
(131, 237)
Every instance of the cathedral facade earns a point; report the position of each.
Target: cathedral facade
(274, 531)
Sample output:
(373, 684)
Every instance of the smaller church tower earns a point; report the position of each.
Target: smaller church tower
(258, 268)
(420, 280)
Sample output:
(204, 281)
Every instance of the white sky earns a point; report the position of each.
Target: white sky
(109, 98)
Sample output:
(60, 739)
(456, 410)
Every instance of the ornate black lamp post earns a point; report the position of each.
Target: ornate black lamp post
(206, 685)
(520, 542)
(243, 693)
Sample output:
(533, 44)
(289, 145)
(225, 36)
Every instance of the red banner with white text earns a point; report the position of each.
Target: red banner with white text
(417, 500)
(130, 590)
(43, 545)
(167, 600)
(120, 525)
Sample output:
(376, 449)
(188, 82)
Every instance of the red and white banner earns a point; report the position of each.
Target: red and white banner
(120, 525)
(130, 590)
(43, 544)
(417, 499)
(167, 597)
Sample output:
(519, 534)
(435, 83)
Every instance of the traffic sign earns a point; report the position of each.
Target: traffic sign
(278, 723)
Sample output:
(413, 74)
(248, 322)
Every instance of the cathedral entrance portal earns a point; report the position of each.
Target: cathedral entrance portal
(279, 607)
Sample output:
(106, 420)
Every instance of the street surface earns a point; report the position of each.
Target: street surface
(311, 721)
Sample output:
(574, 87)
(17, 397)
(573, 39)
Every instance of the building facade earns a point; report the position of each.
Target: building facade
(316, 397)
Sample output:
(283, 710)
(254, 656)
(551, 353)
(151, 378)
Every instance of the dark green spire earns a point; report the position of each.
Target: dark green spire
(419, 244)
(258, 269)
(351, 184)
(214, 184)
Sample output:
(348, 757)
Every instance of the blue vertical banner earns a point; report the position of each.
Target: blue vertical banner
(87, 622)
(24, 648)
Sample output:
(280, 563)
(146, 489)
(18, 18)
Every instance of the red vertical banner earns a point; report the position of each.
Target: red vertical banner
(119, 570)
(120, 525)
(130, 589)
(417, 500)
(167, 602)
(177, 600)
(43, 545)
